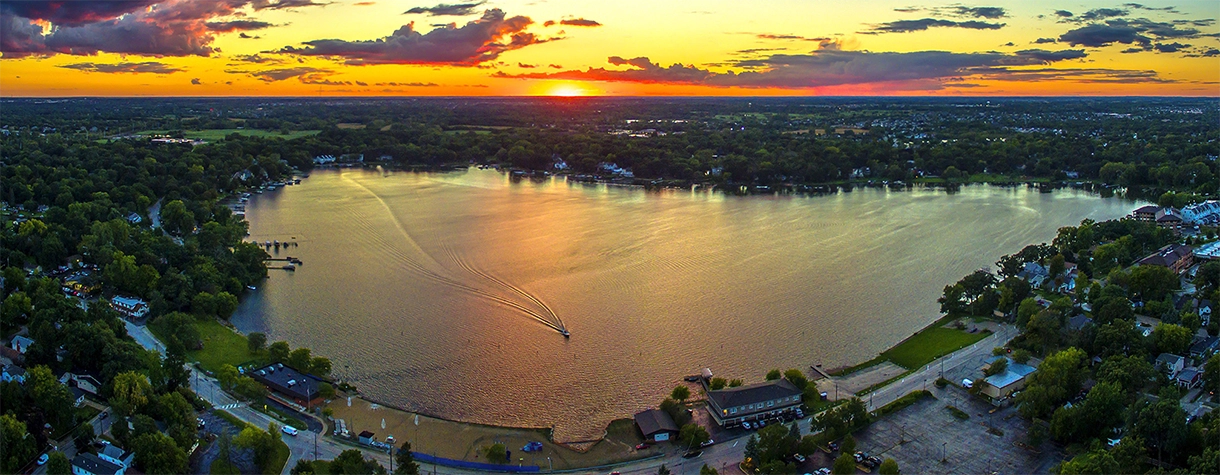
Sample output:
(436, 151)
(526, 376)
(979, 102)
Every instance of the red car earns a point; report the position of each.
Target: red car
(641, 447)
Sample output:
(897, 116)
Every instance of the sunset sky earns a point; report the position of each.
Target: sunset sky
(551, 47)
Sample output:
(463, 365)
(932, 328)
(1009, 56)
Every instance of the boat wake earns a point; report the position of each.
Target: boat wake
(439, 273)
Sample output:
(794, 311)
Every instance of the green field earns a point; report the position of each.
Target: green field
(929, 344)
(218, 134)
(221, 346)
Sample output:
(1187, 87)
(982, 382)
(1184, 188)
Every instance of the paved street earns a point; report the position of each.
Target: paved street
(725, 454)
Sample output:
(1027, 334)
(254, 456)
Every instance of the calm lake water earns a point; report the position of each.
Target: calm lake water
(444, 293)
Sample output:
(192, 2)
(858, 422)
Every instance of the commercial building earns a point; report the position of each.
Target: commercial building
(1177, 257)
(730, 407)
(289, 383)
(1000, 385)
(131, 307)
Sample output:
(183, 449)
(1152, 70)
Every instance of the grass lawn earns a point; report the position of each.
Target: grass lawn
(278, 459)
(221, 346)
(218, 134)
(929, 344)
(223, 467)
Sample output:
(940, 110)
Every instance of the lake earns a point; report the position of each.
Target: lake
(445, 293)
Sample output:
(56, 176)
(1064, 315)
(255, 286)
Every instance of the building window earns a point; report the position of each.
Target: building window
(770, 403)
(733, 411)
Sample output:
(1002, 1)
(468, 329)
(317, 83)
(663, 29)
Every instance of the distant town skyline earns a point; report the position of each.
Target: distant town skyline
(507, 48)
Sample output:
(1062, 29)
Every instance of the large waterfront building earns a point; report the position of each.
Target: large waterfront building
(730, 407)
(289, 383)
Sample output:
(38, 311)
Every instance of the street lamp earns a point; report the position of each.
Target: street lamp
(944, 454)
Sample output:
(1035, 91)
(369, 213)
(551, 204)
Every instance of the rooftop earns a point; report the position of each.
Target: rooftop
(655, 420)
(287, 380)
(94, 464)
(752, 394)
(1167, 256)
(1013, 373)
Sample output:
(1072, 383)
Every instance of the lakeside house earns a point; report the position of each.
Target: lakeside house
(1000, 385)
(1177, 257)
(89, 464)
(289, 383)
(656, 425)
(732, 406)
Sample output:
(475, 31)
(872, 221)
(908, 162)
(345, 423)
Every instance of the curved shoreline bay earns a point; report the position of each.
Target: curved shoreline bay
(445, 293)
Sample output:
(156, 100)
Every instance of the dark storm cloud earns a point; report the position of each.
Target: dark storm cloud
(1063, 14)
(196, 81)
(444, 9)
(170, 28)
(579, 22)
(237, 25)
(1041, 41)
(153, 67)
(1132, 32)
(907, 26)
(478, 41)
(1169, 47)
(960, 11)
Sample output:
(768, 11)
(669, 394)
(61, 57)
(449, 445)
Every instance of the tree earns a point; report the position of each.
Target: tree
(173, 368)
(735, 383)
(278, 352)
(844, 465)
(131, 392)
(1056, 265)
(693, 434)
(1211, 372)
(156, 453)
(1131, 373)
(176, 218)
(663, 470)
(1150, 283)
(1170, 338)
(849, 444)
(1162, 423)
(996, 367)
(1096, 461)
(58, 464)
(326, 391)
(299, 359)
(496, 453)
(751, 450)
(1026, 310)
(320, 366)
(352, 462)
(50, 396)
(262, 443)
(796, 377)
(404, 461)
(224, 304)
(255, 342)
(706, 470)
(680, 393)
(1057, 379)
(888, 467)
(717, 383)
(16, 445)
(773, 375)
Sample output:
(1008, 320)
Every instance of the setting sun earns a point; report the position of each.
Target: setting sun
(568, 90)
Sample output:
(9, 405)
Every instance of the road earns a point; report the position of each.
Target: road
(724, 455)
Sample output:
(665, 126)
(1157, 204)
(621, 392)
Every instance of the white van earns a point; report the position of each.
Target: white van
(289, 430)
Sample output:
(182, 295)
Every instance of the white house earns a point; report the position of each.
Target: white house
(1171, 364)
(21, 343)
(130, 306)
(89, 464)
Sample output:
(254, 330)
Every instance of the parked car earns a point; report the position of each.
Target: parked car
(103, 415)
(833, 446)
(42, 459)
(966, 383)
(289, 430)
(707, 443)
(641, 447)
(800, 414)
(692, 454)
(532, 447)
(799, 458)
(199, 423)
(822, 471)
(746, 425)
(761, 424)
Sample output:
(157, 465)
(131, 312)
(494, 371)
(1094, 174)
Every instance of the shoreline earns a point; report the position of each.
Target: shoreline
(550, 430)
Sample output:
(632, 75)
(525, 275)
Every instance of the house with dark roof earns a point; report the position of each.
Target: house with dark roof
(287, 382)
(1169, 218)
(1177, 257)
(1034, 273)
(10, 373)
(731, 406)
(1078, 322)
(1145, 213)
(78, 395)
(1189, 378)
(116, 455)
(656, 425)
(89, 464)
(1170, 364)
(1204, 346)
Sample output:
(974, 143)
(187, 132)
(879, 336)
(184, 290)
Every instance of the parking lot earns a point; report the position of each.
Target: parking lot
(927, 438)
